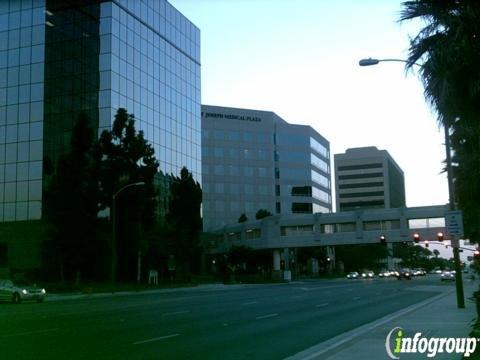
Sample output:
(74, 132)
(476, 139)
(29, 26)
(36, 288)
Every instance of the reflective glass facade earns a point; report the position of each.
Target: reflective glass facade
(58, 58)
(22, 55)
(150, 64)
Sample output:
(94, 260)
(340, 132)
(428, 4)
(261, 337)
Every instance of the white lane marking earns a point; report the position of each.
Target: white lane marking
(250, 303)
(31, 332)
(356, 298)
(321, 305)
(266, 316)
(311, 288)
(176, 313)
(155, 339)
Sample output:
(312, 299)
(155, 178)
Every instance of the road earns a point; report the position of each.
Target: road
(237, 322)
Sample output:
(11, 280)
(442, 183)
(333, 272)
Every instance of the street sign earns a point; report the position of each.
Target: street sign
(454, 223)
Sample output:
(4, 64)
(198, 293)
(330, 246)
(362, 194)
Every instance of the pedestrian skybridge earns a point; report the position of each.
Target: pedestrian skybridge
(341, 228)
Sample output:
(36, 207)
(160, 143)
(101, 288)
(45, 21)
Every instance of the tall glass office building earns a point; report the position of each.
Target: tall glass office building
(59, 57)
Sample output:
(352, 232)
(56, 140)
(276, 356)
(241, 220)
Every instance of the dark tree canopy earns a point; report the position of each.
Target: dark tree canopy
(71, 204)
(448, 50)
(243, 218)
(262, 213)
(184, 217)
(127, 158)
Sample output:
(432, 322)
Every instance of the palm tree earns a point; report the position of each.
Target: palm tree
(436, 253)
(448, 49)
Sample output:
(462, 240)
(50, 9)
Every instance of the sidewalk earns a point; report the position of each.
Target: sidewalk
(435, 317)
(202, 287)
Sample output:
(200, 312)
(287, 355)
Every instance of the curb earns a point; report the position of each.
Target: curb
(210, 287)
(333, 343)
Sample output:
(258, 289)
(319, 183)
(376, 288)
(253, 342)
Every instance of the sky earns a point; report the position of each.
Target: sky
(299, 59)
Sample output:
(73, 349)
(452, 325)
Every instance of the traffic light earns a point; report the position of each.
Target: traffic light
(416, 238)
(383, 239)
(426, 243)
(440, 236)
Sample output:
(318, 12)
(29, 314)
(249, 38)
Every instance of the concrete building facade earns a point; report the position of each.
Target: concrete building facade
(368, 178)
(255, 160)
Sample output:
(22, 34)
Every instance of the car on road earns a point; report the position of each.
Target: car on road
(353, 275)
(447, 276)
(19, 291)
(419, 272)
(404, 274)
(384, 273)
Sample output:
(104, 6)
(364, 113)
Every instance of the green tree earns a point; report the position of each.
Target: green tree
(126, 158)
(262, 213)
(71, 206)
(448, 48)
(184, 218)
(357, 257)
(243, 218)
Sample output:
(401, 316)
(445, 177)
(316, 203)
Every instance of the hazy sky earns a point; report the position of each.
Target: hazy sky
(299, 59)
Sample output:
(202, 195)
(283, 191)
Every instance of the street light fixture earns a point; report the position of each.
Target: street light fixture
(114, 232)
(451, 195)
(371, 61)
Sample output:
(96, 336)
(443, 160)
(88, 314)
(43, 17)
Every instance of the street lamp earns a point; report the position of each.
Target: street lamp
(451, 195)
(114, 230)
(371, 61)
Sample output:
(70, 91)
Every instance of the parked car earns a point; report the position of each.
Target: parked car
(353, 275)
(404, 274)
(447, 276)
(19, 291)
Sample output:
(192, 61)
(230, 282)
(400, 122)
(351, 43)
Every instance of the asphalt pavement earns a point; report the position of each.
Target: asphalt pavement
(273, 321)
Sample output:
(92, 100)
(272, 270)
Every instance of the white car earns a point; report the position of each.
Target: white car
(447, 276)
(20, 291)
(353, 275)
(384, 273)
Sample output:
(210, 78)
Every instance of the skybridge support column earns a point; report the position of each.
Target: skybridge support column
(276, 274)
(390, 262)
(331, 256)
(286, 258)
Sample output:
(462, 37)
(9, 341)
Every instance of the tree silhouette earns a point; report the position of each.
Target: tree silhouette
(127, 158)
(71, 205)
(262, 213)
(243, 218)
(184, 218)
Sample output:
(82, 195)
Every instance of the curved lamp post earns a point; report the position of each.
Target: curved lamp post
(451, 203)
(114, 232)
